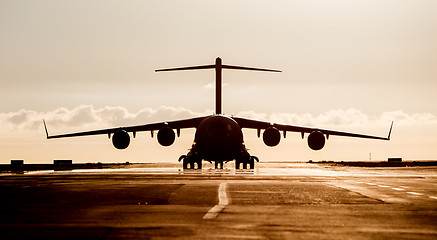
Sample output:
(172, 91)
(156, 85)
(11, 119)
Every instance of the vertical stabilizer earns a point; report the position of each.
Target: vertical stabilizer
(218, 86)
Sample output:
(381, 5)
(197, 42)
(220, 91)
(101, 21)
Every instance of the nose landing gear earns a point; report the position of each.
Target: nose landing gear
(218, 163)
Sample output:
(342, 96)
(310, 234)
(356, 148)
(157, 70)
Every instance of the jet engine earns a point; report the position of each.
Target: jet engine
(166, 136)
(316, 140)
(120, 139)
(271, 136)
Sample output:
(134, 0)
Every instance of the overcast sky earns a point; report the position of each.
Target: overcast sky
(347, 65)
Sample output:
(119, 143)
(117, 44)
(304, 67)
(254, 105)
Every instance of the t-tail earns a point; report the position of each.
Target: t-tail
(218, 66)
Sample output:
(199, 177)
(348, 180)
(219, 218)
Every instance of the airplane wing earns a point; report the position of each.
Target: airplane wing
(179, 124)
(256, 124)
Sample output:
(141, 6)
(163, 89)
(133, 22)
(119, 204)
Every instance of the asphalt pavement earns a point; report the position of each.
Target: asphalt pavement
(274, 201)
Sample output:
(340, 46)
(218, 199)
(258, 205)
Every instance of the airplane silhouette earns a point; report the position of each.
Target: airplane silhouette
(218, 138)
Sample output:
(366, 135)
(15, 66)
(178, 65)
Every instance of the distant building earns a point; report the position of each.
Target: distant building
(17, 165)
(17, 162)
(394, 160)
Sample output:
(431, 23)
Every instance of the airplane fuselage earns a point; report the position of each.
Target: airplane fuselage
(218, 138)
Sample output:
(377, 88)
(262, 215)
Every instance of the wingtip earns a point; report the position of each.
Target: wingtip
(45, 127)
(389, 132)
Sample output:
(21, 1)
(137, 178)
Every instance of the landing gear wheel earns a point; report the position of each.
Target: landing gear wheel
(245, 165)
(199, 164)
(251, 163)
(237, 164)
(185, 163)
(217, 163)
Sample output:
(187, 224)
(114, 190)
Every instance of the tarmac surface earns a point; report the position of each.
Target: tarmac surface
(274, 201)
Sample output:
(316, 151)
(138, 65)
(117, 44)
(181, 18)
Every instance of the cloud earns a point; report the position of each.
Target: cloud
(87, 116)
(340, 117)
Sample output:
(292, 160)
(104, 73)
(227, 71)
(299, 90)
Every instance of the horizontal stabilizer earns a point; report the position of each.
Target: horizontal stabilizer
(218, 66)
(186, 68)
(249, 68)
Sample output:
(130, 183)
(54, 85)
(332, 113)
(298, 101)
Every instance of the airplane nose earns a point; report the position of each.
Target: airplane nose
(219, 137)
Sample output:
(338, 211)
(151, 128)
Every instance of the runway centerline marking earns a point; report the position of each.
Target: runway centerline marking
(414, 193)
(398, 189)
(433, 197)
(223, 201)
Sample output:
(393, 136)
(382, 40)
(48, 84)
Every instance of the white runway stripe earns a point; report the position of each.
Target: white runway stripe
(414, 193)
(223, 201)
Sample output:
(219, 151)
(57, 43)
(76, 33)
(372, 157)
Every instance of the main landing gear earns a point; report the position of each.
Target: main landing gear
(245, 162)
(189, 161)
(245, 159)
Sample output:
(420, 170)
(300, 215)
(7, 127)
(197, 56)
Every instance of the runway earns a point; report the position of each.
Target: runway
(274, 201)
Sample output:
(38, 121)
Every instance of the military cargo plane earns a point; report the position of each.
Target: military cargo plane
(218, 138)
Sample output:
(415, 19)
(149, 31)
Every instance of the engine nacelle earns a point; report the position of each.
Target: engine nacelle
(316, 140)
(271, 136)
(166, 136)
(121, 139)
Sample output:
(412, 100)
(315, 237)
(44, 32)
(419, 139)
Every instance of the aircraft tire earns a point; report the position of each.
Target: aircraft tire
(185, 163)
(251, 163)
(199, 164)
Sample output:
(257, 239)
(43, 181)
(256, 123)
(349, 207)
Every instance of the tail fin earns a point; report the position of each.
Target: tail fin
(218, 77)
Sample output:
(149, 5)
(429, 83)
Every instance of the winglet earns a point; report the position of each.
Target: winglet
(389, 133)
(45, 127)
